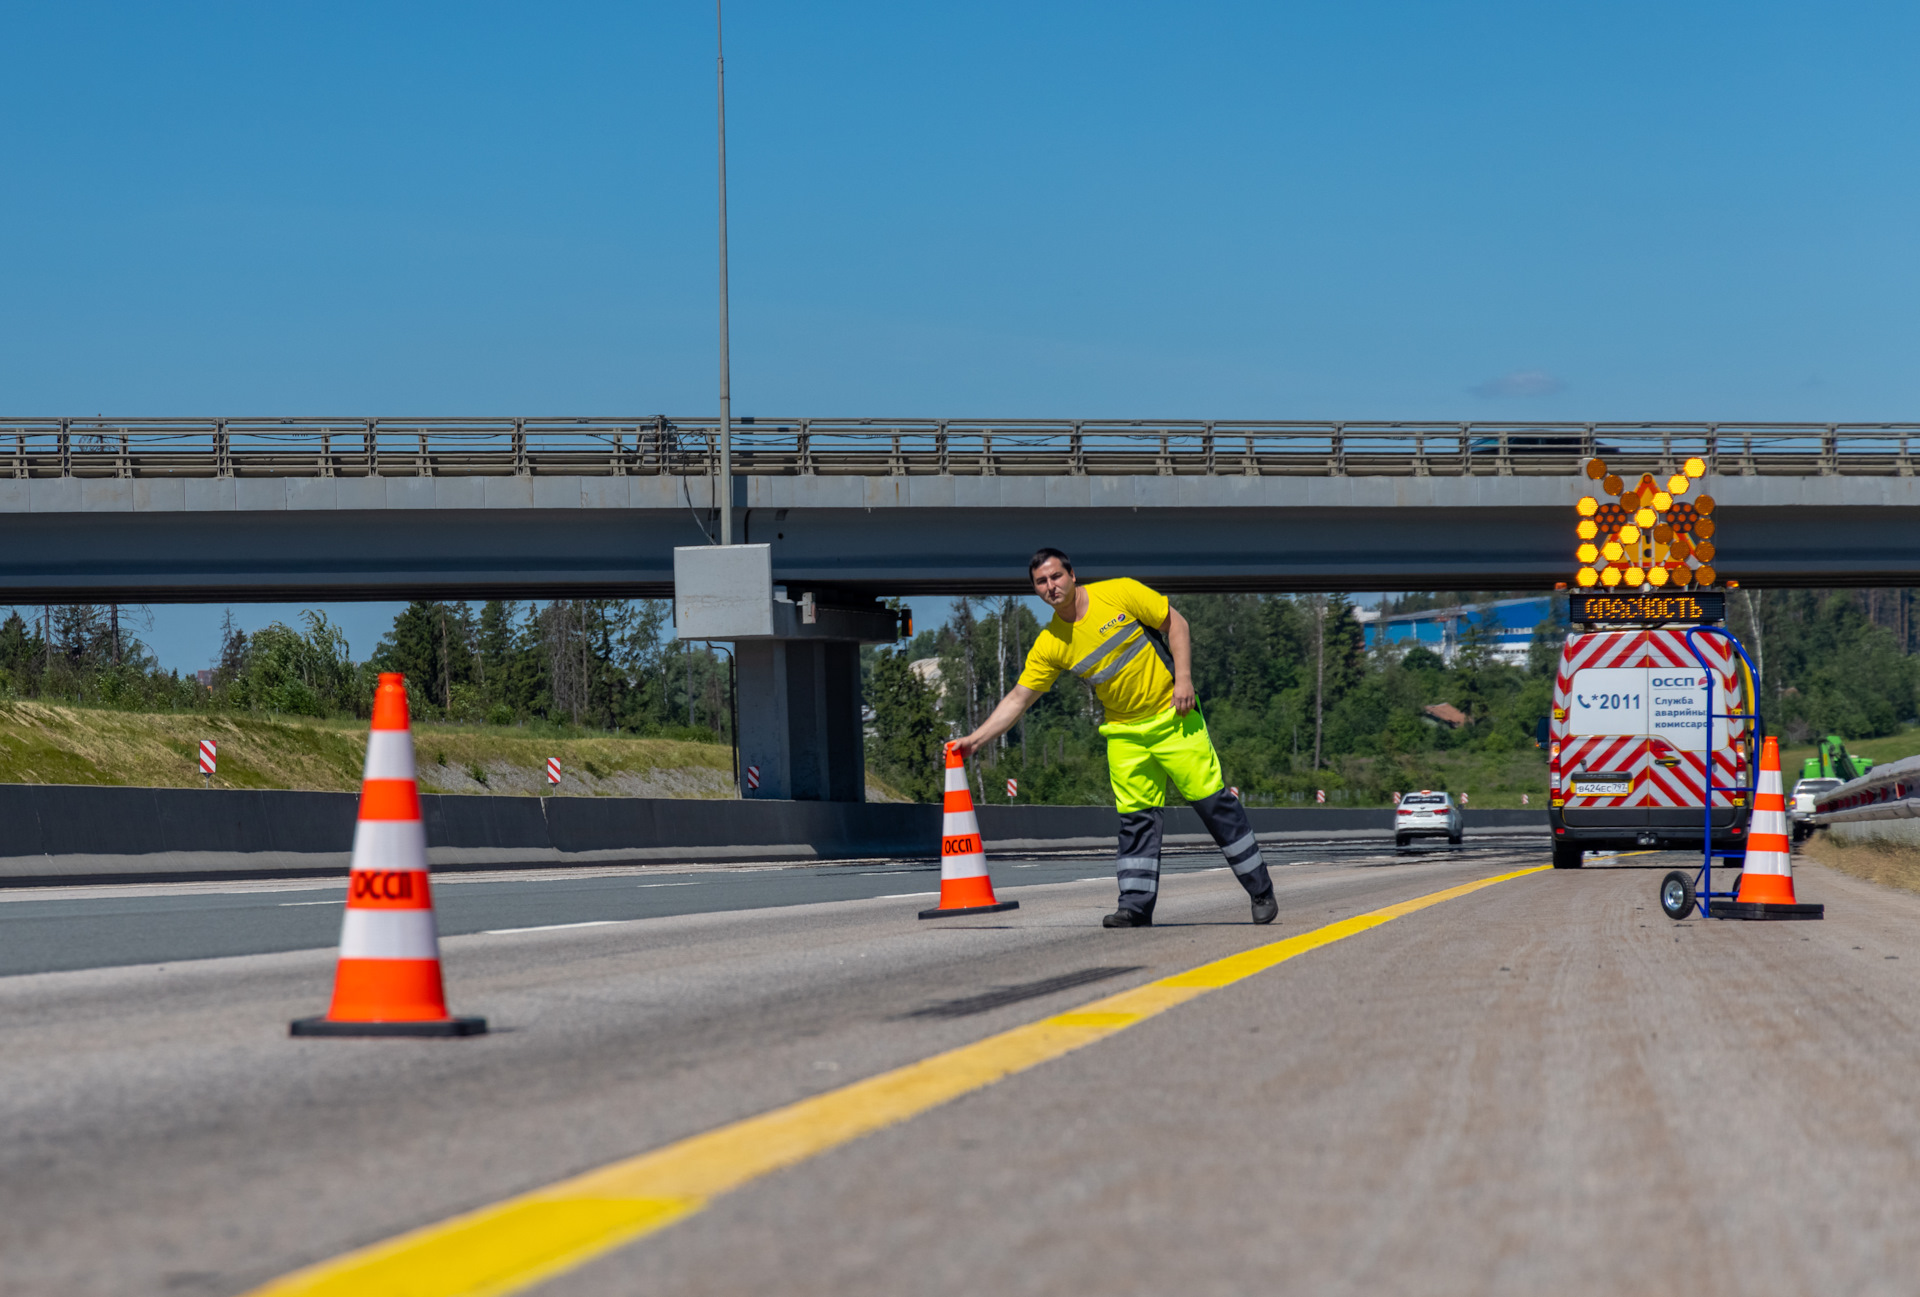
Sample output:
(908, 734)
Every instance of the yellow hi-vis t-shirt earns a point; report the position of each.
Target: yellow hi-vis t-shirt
(1108, 649)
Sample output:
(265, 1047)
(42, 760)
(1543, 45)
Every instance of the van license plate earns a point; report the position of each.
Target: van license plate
(1611, 788)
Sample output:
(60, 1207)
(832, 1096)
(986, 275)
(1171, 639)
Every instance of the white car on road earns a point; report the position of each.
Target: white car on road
(1426, 814)
(1800, 809)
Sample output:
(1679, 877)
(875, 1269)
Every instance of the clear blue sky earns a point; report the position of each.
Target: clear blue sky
(1225, 210)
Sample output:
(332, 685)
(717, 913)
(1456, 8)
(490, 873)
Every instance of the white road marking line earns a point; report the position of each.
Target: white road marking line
(338, 900)
(693, 884)
(901, 896)
(546, 927)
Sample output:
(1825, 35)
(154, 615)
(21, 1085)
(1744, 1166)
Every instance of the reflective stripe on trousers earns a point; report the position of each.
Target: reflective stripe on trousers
(1137, 862)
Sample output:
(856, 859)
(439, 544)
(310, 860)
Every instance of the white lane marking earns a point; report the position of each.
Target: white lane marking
(338, 900)
(546, 927)
(694, 884)
(901, 896)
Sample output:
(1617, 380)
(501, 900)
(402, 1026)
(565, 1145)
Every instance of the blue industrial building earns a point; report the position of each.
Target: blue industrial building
(1441, 630)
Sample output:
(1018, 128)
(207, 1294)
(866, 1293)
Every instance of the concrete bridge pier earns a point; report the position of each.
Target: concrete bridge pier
(800, 725)
(797, 668)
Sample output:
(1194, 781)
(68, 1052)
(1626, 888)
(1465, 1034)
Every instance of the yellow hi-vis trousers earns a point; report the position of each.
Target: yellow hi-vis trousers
(1143, 755)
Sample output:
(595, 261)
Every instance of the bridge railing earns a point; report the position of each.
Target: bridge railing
(320, 447)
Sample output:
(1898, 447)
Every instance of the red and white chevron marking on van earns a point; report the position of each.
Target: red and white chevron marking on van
(1658, 772)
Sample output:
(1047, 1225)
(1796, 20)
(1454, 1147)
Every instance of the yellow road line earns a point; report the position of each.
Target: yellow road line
(511, 1245)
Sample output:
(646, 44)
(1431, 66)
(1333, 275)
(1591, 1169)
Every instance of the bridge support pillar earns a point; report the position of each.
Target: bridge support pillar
(800, 724)
(797, 668)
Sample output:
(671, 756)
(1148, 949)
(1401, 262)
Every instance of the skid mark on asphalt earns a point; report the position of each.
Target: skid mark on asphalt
(968, 1005)
(512, 1245)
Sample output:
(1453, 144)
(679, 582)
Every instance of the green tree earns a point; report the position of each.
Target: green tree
(907, 744)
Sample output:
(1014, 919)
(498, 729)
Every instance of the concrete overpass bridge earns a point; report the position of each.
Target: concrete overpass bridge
(153, 510)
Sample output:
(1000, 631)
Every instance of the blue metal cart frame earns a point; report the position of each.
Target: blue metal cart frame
(1703, 882)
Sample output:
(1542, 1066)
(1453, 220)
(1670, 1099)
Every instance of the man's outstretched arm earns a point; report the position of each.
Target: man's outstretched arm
(1018, 699)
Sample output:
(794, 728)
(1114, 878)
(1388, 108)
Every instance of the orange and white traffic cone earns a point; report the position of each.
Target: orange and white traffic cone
(965, 886)
(387, 982)
(1766, 881)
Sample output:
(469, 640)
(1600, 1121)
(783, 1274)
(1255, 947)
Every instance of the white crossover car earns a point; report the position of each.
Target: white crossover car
(1426, 814)
(1800, 809)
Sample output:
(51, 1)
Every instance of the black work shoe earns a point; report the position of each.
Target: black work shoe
(1265, 908)
(1125, 918)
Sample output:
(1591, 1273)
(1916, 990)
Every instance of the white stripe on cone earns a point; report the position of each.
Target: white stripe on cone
(389, 844)
(389, 934)
(1765, 822)
(390, 755)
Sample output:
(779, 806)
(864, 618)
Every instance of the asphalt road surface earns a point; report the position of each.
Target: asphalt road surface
(47, 928)
(1540, 1085)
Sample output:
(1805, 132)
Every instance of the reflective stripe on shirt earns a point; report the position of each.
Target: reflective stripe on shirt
(1084, 667)
(1111, 669)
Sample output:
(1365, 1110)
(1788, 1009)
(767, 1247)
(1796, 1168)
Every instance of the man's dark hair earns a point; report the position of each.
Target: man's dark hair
(1043, 554)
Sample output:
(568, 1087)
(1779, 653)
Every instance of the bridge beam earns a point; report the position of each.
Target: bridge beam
(196, 540)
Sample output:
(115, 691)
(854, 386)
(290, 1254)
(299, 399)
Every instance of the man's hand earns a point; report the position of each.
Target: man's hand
(1183, 696)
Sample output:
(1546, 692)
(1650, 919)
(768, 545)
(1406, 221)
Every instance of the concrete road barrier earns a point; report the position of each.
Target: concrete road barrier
(74, 833)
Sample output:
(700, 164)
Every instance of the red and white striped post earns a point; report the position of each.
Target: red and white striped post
(1013, 789)
(753, 778)
(208, 751)
(553, 772)
(1319, 794)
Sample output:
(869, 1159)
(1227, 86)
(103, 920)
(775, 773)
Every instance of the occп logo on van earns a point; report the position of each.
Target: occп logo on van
(1678, 682)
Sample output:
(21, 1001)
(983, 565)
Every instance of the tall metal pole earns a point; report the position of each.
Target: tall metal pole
(726, 397)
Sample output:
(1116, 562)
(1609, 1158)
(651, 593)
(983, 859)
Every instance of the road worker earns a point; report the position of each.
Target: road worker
(1126, 641)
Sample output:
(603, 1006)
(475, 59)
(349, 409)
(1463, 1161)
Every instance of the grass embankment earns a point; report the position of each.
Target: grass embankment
(41, 743)
(1887, 863)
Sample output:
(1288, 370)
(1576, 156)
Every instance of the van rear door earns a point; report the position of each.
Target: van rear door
(1678, 730)
(1602, 685)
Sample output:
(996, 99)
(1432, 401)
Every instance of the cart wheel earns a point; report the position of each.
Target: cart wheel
(1676, 894)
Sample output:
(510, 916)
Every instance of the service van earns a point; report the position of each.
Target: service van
(1632, 750)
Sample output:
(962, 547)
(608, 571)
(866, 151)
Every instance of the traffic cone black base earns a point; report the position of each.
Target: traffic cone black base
(322, 1026)
(937, 913)
(1764, 910)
